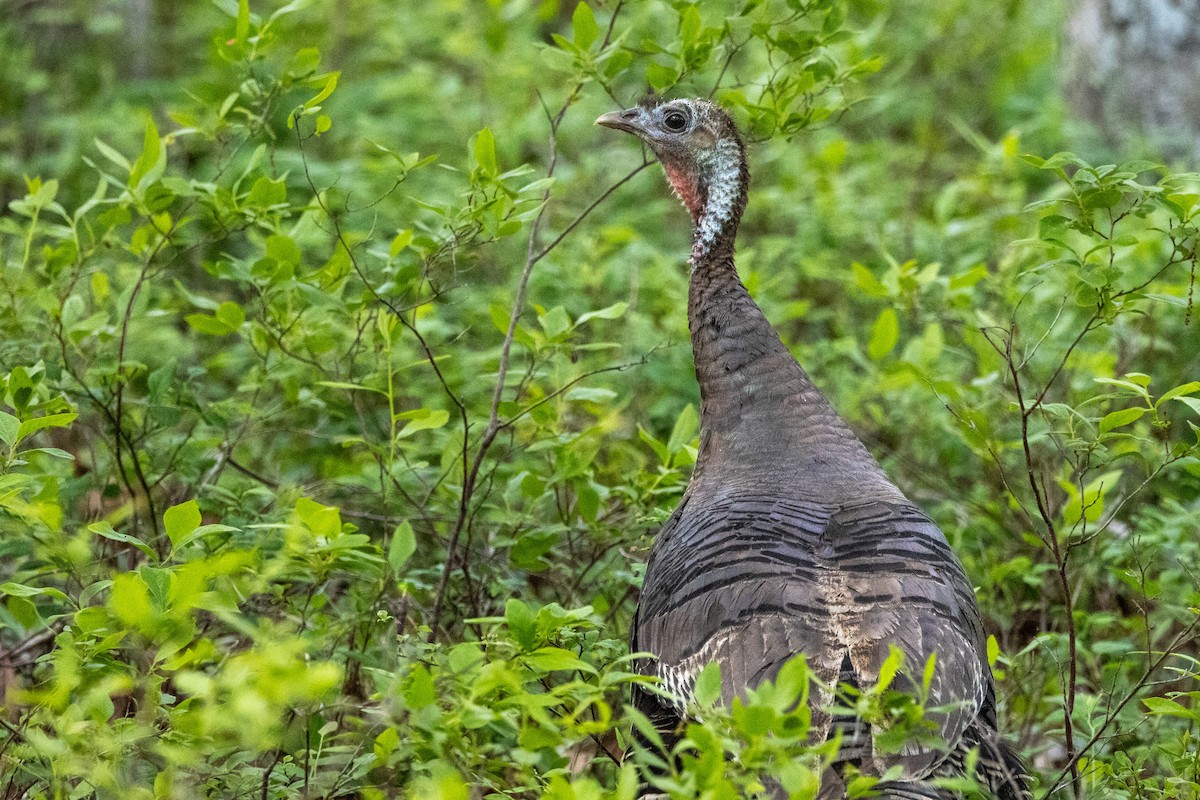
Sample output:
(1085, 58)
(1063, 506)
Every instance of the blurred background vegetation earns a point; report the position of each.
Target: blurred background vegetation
(345, 377)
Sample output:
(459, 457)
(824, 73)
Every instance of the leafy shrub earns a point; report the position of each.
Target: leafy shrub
(345, 380)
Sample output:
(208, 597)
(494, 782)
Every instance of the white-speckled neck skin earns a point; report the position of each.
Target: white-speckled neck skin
(721, 172)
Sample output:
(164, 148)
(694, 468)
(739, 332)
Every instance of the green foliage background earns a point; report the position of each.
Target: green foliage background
(345, 377)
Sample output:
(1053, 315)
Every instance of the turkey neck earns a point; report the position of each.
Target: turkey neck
(762, 421)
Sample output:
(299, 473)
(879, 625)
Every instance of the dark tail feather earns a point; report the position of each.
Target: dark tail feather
(1003, 771)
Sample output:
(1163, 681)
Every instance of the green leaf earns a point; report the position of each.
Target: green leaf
(328, 82)
(835, 19)
(24, 612)
(200, 533)
(555, 322)
(587, 502)
(386, 743)
(419, 690)
(884, 334)
(32, 426)
(966, 280)
(661, 77)
(792, 682)
(1179, 391)
(870, 66)
(1191, 402)
(752, 720)
(53, 452)
(422, 419)
(706, 690)
(266, 193)
(499, 316)
(44, 195)
(181, 520)
(646, 728)
(10, 429)
(208, 324)
(242, 26)
(1053, 227)
(865, 280)
(322, 520)
(100, 286)
(1120, 418)
(152, 162)
(629, 782)
(1168, 707)
(614, 311)
(890, 668)
(112, 155)
(484, 149)
(231, 314)
(689, 24)
(993, 650)
(522, 623)
(1061, 159)
(931, 668)
(1185, 201)
(351, 386)
(401, 547)
(1136, 388)
(288, 8)
(660, 449)
(686, 426)
(584, 24)
(106, 530)
(21, 590)
(554, 659)
(21, 386)
(592, 394)
(283, 250)
(304, 62)
(1102, 198)
(466, 655)
(403, 239)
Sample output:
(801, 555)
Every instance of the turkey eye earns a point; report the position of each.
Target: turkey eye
(675, 121)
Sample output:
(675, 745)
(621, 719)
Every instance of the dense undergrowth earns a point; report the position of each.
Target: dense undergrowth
(345, 378)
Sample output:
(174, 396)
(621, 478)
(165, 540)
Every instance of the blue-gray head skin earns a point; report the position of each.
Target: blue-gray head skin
(704, 159)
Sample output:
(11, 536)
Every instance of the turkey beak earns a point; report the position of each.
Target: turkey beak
(629, 120)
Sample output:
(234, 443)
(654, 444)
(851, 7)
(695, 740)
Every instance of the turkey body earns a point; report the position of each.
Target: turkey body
(751, 579)
(790, 538)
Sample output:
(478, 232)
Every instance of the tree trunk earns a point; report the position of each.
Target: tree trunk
(139, 38)
(1133, 67)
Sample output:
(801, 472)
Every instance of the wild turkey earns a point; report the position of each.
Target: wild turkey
(790, 538)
